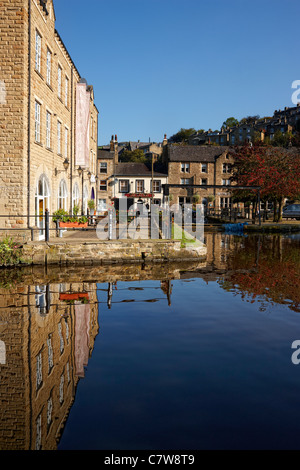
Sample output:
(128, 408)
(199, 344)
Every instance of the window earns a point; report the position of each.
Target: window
(48, 72)
(92, 126)
(123, 186)
(103, 185)
(66, 142)
(226, 182)
(156, 186)
(102, 205)
(62, 195)
(139, 186)
(233, 139)
(59, 72)
(39, 371)
(225, 202)
(203, 167)
(59, 138)
(185, 181)
(37, 122)
(38, 49)
(48, 130)
(103, 167)
(226, 168)
(50, 354)
(66, 91)
(204, 181)
(75, 195)
(185, 167)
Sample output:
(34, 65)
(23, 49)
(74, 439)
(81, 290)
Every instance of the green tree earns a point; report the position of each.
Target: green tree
(230, 122)
(182, 135)
(135, 156)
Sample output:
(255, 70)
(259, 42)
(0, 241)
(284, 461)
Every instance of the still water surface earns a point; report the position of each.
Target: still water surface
(171, 357)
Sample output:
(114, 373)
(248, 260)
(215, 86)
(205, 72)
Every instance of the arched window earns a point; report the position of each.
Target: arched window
(42, 202)
(63, 196)
(85, 199)
(75, 195)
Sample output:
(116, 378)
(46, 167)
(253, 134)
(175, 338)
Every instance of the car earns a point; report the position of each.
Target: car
(292, 211)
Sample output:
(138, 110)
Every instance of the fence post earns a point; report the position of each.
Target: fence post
(47, 224)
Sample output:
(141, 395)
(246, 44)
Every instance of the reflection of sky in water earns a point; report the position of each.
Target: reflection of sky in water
(208, 371)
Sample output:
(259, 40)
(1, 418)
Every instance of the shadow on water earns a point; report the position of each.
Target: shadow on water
(50, 321)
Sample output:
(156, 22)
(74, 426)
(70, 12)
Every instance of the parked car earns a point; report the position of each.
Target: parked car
(292, 211)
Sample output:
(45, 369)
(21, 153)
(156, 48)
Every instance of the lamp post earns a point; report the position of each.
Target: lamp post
(66, 164)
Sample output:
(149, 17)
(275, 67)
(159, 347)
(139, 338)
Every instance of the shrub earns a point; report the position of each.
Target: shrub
(10, 252)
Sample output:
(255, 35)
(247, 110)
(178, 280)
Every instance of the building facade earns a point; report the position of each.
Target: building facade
(48, 120)
(202, 166)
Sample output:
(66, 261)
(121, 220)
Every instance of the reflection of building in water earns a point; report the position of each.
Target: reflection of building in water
(47, 335)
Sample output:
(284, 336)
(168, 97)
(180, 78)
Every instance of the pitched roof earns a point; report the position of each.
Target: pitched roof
(105, 154)
(193, 153)
(135, 169)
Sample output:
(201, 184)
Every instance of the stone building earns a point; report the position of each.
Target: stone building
(283, 121)
(130, 180)
(203, 166)
(47, 338)
(48, 119)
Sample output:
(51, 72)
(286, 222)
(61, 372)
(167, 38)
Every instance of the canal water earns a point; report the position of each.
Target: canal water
(173, 356)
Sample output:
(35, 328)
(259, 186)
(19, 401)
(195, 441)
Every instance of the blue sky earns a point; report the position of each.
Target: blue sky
(159, 65)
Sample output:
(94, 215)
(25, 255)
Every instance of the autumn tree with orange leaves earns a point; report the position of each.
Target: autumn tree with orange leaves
(275, 169)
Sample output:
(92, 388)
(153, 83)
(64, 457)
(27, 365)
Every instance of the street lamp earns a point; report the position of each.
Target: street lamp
(66, 164)
(80, 172)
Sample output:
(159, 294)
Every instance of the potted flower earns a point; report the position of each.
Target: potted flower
(66, 221)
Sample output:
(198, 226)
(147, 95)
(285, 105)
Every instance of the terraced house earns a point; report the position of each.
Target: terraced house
(48, 119)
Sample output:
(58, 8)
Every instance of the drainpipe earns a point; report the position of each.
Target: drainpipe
(29, 110)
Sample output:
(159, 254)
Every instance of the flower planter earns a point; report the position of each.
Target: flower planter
(75, 296)
(72, 225)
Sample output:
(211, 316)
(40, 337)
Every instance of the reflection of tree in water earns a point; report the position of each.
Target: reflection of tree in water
(267, 267)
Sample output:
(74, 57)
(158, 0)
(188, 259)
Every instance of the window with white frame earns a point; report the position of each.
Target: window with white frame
(48, 130)
(102, 207)
(62, 195)
(156, 186)
(103, 167)
(226, 182)
(185, 181)
(225, 202)
(75, 195)
(66, 91)
(66, 141)
(38, 51)
(37, 122)
(203, 167)
(59, 137)
(185, 167)
(48, 67)
(92, 126)
(123, 186)
(59, 73)
(139, 186)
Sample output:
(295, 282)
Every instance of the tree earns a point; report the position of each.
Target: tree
(136, 156)
(182, 135)
(230, 122)
(275, 169)
(249, 119)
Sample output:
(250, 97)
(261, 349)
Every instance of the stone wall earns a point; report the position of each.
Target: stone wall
(118, 251)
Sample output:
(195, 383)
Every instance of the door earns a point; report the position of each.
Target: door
(42, 198)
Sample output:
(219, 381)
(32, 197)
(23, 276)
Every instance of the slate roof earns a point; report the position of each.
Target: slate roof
(193, 153)
(105, 154)
(135, 169)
